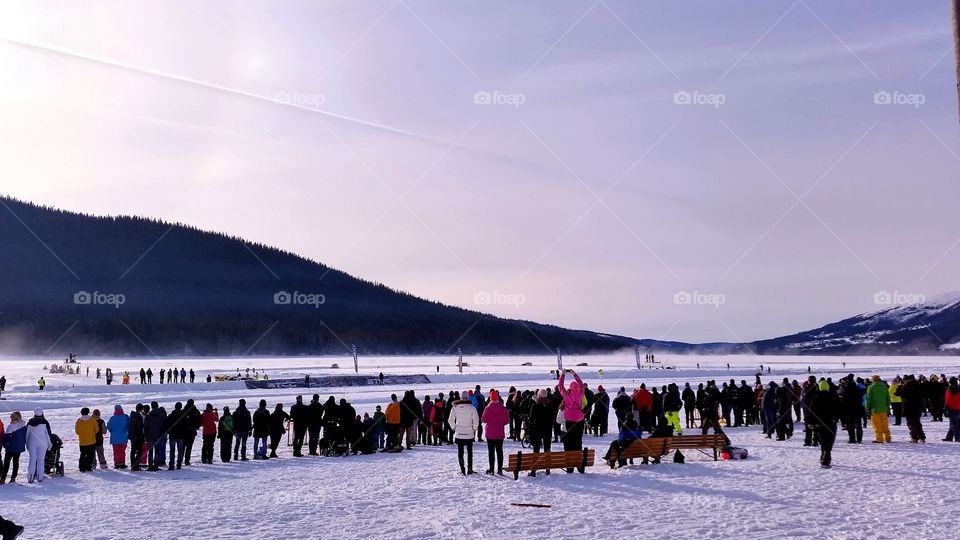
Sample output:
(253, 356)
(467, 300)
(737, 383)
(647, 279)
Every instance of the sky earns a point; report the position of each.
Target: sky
(693, 171)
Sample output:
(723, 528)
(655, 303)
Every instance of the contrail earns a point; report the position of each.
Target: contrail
(46, 47)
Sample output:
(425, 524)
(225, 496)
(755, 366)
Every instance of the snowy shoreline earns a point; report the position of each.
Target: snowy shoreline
(872, 488)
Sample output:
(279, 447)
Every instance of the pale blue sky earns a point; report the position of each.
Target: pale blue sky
(147, 109)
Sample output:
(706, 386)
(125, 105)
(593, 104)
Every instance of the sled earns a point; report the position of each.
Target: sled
(531, 505)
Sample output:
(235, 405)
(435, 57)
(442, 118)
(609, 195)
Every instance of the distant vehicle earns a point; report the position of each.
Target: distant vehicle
(334, 366)
(465, 364)
(582, 364)
(527, 364)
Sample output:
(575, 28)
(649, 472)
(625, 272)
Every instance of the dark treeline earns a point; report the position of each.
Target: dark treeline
(201, 293)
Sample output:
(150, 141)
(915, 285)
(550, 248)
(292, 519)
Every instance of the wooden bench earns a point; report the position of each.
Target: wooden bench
(574, 459)
(713, 442)
(641, 448)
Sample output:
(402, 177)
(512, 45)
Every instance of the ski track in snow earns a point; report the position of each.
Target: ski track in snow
(873, 491)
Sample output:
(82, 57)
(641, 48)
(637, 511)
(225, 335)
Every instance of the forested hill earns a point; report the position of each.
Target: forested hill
(191, 292)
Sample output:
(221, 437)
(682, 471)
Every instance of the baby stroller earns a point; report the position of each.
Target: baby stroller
(51, 460)
(335, 449)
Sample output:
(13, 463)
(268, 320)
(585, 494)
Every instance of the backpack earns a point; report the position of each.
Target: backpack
(678, 457)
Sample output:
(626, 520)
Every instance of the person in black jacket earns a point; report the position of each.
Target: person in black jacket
(600, 416)
(746, 399)
(783, 401)
(824, 408)
(190, 434)
(300, 415)
(623, 406)
(411, 413)
(177, 430)
(261, 429)
(810, 435)
(853, 411)
(542, 416)
(314, 423)
(349, 426)
(278, 427)
(912, 395)
(672, 403)
(154, 425)
(9, 529)
(242, 424)
(331, 421)
(710, 416)
(689, 405)
(136, 436)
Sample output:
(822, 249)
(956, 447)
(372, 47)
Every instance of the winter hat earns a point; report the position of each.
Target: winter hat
(600, 388)
(824, 386)
(84, 411)
(494, 395)
(118, 407)
(875, 378)
(542, 393)
(38, 412)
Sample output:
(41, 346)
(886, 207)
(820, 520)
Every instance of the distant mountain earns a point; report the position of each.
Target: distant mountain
(923, 328)
(133, 286)
(927, 328)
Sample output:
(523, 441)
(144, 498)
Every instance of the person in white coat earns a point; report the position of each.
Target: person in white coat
(38, 442)
(464, 421)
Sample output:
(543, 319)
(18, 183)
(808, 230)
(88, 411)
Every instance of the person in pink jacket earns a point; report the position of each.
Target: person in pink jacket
(572, 412)
(496, 417)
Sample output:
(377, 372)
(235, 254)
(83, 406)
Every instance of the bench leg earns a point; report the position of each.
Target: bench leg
(516, 472)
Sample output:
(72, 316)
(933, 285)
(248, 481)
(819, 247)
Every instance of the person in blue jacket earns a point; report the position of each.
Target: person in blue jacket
(629, 432)
(14, 444)
(117, 426)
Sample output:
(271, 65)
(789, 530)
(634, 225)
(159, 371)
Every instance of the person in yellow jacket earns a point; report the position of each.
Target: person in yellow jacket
(392, 417)
(896, 402)
(41, 383)
(87, 429)
(878, 407)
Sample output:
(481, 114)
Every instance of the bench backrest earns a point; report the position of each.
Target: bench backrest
(655, 447)
(550, 460)
(715, 440)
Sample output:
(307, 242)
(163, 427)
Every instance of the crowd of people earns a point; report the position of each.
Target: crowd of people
(152, 438)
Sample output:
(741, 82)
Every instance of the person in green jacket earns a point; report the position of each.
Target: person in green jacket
(878, 407)
(225, 433)
(896, 402)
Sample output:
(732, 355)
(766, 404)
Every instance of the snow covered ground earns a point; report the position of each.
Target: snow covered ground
(873, 491)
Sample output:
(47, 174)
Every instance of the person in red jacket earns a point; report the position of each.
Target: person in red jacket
(208, 421)
(436, 422)
(952, 402)
(496, 417)
(643, 404)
